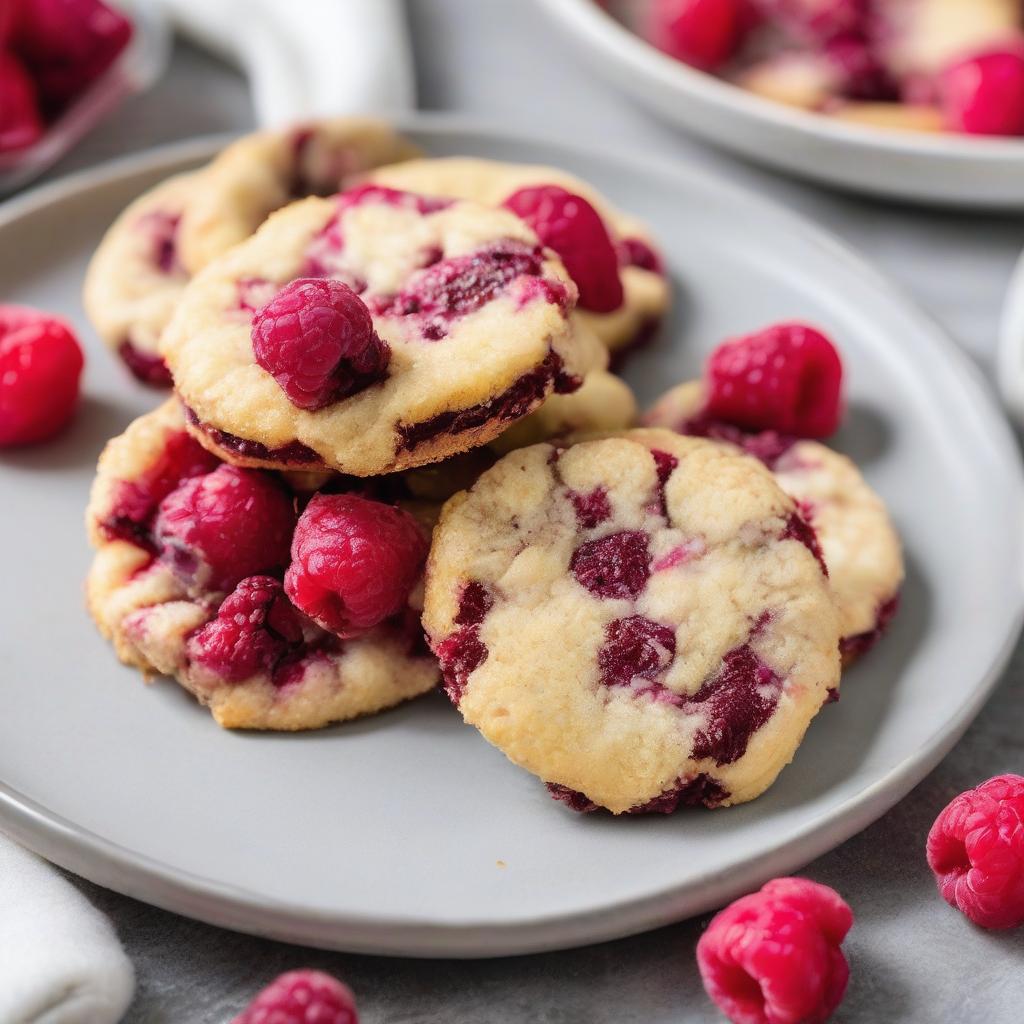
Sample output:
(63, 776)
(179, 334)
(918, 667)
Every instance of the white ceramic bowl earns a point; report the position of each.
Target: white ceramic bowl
(940, 169)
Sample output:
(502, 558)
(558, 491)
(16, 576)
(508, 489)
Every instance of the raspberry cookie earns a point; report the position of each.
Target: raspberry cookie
(858, 541)
(136, 277)
(262, 172)
(189, 580)
(611, 257)
(372, 332)
(640, 620)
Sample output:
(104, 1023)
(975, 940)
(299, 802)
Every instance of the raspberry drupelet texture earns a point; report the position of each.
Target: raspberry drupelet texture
(255, 628)
(302, 997)
(701, 33)
(787, 378)
(354, 562)
(40, 367)
(572, 227)
(775, 957)
(976, 850)
(315, 337)
(216, 529)
(984, 95)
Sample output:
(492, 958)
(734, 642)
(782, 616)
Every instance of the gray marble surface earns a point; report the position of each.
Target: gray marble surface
(912, 958)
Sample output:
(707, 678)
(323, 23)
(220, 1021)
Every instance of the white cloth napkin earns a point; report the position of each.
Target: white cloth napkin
(60, 961)
(309, 58)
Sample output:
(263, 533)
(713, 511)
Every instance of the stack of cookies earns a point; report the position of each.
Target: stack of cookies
(395, 456)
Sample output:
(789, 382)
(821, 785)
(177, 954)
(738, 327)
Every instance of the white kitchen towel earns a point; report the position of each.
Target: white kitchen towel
(60, 961)
(309, 58)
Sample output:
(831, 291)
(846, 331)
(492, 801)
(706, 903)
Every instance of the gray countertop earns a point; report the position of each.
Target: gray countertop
(912, 958)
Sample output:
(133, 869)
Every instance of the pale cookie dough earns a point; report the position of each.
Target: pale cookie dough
(639, 620)
(154, 624)
(646, 289)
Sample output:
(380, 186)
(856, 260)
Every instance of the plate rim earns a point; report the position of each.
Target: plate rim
(602, 34)
(153, 881)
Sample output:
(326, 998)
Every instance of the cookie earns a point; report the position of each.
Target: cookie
(859, 543)
(644, 288)
(248, 654)
(640, 620)
(136, 277)
(262, 172)
(470, 332)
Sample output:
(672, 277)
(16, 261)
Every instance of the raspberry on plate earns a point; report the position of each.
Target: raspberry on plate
(984, 94)
(354, 562)
(573, 228)
(775, 956)
(786, 378)
(40, 367)
(976, 851)
(302, 997)
(702, 33)
(315, 337)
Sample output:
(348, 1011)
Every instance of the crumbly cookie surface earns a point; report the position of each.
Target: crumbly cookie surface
(490, 182)
(149, 616)
(639, 620)
(262, 172)
(475, 312)
(858, 540)
(136, 277)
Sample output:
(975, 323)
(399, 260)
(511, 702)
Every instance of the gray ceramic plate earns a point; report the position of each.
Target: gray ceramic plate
(406, 833)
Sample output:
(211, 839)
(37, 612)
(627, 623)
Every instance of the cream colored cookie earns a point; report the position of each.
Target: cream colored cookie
(638, 620)
(262, 172)
(475, 312)
(858, 541)
(136, 277)
(160, 626)
(646, 291)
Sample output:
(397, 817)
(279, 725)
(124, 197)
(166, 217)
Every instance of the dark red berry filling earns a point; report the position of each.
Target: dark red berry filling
(514, 403)
(664, 464)
(162, 228)
(797, 528)
(636, 651)
(293, 454)
(382, 194)
(766, 445)
(616, 566)
(591, 509)
(854, 646)
(698, 791)
(146, 367)
(635, 252)
(462, 651)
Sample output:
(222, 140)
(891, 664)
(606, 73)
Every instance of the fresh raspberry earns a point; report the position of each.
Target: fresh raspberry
(68, 44)
(40, 368)
(976, 850)
(302, 997)
(592, 508)
(635, 649)
(255, 627)
(9, 10)
(316, 339)
(572, 227)
(20, 123)
(215, 530)
(774, 957)
(786, 378)
(984, 95)
(702, 33)
(616, 566)
(354, 562)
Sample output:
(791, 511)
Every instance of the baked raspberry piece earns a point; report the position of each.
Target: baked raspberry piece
(20, 123)
(40, 368)
(616, 566)
(775, 957)
(354, 562)
(976, 850)
(255, 628)
(302, 997)
(216, 529)
(572, 227)
(635, 252)
(984, 95)
(702, 33)
(817, 21)
(68, 44)
(786, 378)
(315, 337)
